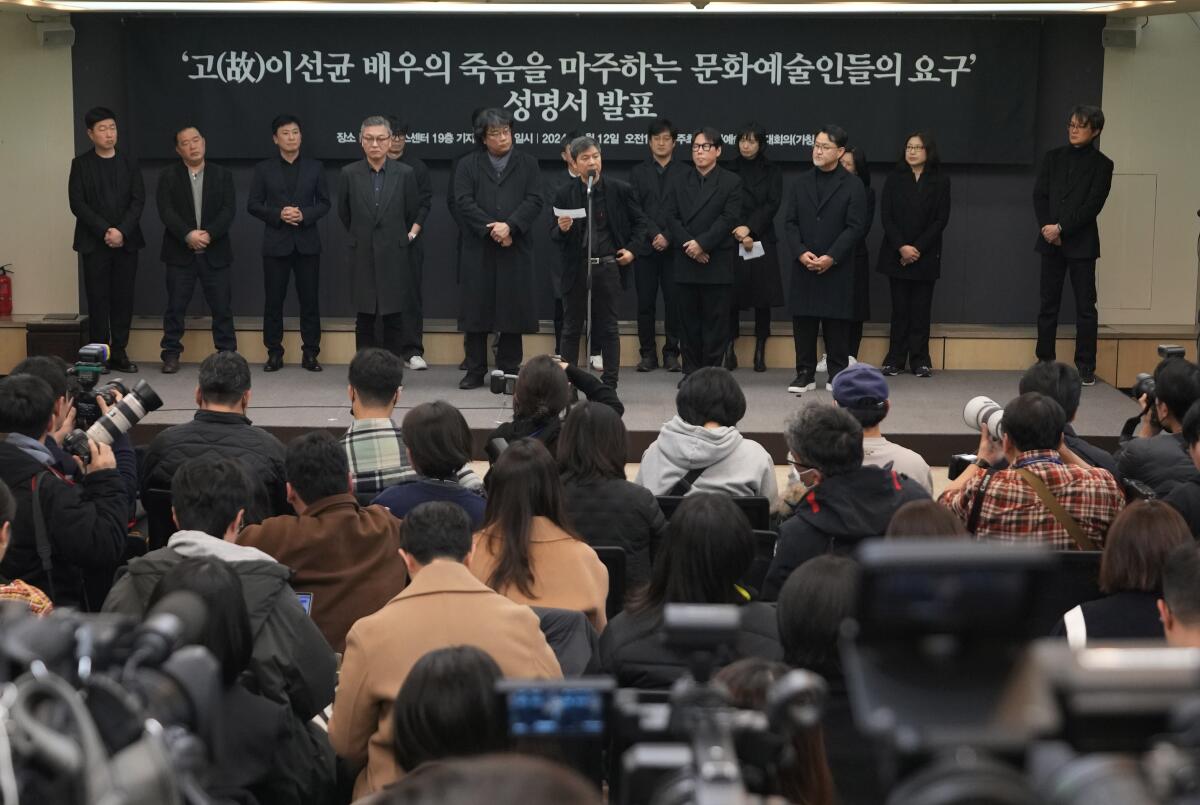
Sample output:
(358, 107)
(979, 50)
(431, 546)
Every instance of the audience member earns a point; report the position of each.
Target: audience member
(603, 506)
(444, 605)
(1179, 606)
(1157, 456)
(496, 780)
(1185, 497)
(708, 549)
(291, 661)
(438, 445)
(1138, 543)
(526, 549)
(862, 390)
(845, 502)
(344, 556)
(374, 445)
(83, 525)
(39, 603)
(925, 518)
(221, 427)
(1018, 504)
(1062, 383)
(541, 394)
(803, 775)
(261, 749)
(700, 449)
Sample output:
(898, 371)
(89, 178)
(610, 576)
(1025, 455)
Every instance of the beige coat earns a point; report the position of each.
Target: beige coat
(567, 574)
(443, 606)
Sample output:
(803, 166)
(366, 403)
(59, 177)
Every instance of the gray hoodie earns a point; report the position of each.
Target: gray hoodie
(734, 464)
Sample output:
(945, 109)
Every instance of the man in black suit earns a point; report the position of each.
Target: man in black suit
(826, 217)
(414, 326)
(655, 261)
(1071, 189)
(289, 195)
(617, 226)
(107, 195)
(196, 202)
(703, 206)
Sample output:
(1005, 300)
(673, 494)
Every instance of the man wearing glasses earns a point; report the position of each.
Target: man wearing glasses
(702, 207)
(1071, 189)
(377, 202)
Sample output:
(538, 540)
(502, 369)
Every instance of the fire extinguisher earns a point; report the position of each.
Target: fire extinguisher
(6, 289)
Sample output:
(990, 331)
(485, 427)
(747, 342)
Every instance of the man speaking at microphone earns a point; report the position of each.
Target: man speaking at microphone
(617, 225)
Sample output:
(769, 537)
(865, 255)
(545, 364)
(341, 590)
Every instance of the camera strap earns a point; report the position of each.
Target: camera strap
(684, 484)
(41, 538)
(977, 503)
(1063, 517)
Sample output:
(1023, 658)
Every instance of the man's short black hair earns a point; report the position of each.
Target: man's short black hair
(835, 133)
(711, 134)
(1191, 425)
(398, 124)
(1034, 421)
(564, 142)
(825, 437)
(1058, 381)
(1092, 115)
(375, 375)
(96, 114)
(26, 405)
(710, 394)
(438, 439)
(1177, 385)
(661, 124)
(317, 466)
(224, 378)
(284, 120)
(207, 492)
(184, 127)
(436, 530)
(1181, 584)
(869, 417)
(50, 368)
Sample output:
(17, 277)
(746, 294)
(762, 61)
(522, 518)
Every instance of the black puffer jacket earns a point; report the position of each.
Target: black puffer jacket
(228, 435)
(614, 511)
(631, 647)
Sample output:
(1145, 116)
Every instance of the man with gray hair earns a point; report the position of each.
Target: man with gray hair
(616, 227)
(377, 202)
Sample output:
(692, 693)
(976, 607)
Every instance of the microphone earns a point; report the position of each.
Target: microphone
(591, 177)
(176, 620)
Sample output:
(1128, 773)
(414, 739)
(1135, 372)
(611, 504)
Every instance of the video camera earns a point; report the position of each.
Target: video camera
(122, 414)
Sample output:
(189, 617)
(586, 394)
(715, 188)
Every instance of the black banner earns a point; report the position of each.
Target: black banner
(972, 82)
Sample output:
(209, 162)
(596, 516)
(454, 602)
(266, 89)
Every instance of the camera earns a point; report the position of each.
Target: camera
(501, 382)
(122, 415)
(980, 411)
(90, 364)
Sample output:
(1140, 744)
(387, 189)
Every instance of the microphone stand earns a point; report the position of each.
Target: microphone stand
(587, 316)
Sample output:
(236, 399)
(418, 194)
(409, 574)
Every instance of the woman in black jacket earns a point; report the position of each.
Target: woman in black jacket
(604, 507)
(855, 161)
(708, 549)
(914, 212)
(757, 284)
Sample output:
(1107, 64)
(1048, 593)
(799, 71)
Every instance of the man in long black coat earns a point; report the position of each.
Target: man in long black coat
(1071, 189)
(398, 151)
(826, 217)
(498, 195)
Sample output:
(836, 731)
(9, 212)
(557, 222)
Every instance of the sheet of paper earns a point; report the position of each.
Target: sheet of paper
(756, 250)
(576, 213)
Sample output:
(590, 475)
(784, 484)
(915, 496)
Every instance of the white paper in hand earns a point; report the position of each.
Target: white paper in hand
(576, 213)
(754, 251)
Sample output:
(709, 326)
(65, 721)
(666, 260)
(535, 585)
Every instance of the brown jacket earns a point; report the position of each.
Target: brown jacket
(444, 606)
(344, 555)
(567, 574)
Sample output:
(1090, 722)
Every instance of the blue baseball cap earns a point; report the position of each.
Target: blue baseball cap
(860, 386)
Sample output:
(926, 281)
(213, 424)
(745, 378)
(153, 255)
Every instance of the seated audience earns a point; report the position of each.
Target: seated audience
(85, 523)
(1007, 503)
(374, 445)
(38, 601)
(291, 661)
(345, 556)
(222, 428)
(846, 501)
(438, 444)
(526, 549)
(700, 449)
(495, 780)
(804, 775)
(1157, 456)
(1061, 382)
(1138, 543)
(541, 395)
(443, 606)
(261, 748)
(1179, 606)
(708, 549)
(1185, 497)
(604, 507)
(862, 390)
(925, 518)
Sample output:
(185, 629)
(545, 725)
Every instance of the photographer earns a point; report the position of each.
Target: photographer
(62, 529)
(1064, 385)
(1185, 497)
(38, 601)
(1157, 456)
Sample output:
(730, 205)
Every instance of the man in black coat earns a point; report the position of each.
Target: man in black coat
(1072, 186)
(290, 196)
(617, 226)
(826, 217)
(703, 206)
(106, 193)
(416, 244)
(196, 202)
(654, 268)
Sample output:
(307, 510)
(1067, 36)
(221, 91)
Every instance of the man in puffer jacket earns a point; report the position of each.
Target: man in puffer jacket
(846, 502)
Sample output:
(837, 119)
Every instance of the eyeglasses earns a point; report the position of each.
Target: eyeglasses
(1073, 126)
(824, 146)
(914, 148)
(505, 132)
(387, 138)
(703, 146)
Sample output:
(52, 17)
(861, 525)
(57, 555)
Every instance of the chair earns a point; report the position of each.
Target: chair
(1075, 581)
(756, 508)
(764, 552)
(572, 638)
(613, 557)
(159, 523)
(365, 498)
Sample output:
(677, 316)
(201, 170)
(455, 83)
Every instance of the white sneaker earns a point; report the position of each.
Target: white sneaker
(597, 363)
(829, 387)
(823, 364)
(416, 363)
(797, 387)
(852, 360)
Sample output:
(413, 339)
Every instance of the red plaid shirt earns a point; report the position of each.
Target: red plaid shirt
(1012, 511)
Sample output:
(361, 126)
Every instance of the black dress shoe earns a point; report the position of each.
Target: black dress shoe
(274, 363)
(647, 364)
(760, 355)
(730, 361)
(170, 364)
(124, 365)
(462, 366)
(671, 363)
(471, 382)
(887, 370)
(923, 371)
(310, 363)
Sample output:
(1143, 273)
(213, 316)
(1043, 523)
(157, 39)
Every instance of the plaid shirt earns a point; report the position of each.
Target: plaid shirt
(38, 601)
(1012, 511)
(378, 458)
